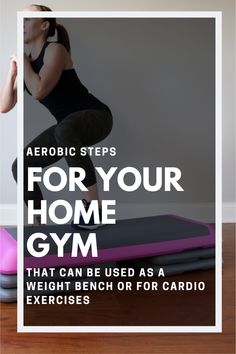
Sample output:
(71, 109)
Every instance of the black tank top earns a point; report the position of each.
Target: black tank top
(69, 95)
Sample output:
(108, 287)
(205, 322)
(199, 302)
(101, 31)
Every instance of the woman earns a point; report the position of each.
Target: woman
(82, 119)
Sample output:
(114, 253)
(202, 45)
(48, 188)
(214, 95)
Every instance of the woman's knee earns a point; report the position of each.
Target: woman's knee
(62, 134)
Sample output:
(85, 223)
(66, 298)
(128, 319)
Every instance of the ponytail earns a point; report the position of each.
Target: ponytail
(62, 36)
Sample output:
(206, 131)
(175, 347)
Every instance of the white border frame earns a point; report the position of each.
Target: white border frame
(217, 15)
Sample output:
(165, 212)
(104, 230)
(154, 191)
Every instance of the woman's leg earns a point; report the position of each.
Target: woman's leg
(45, 139)
(84, 128)
(92, 194)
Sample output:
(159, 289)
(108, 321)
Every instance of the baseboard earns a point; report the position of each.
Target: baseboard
(200, 211)
(229, 212)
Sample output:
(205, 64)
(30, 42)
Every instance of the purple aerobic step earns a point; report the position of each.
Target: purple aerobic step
(127, 239)
(8, 252)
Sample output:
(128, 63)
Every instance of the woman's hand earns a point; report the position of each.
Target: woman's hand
(8, 93)
(13, 64)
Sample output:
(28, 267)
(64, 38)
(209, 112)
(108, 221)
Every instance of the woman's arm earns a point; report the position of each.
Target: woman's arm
(8, 93)
(41, 84)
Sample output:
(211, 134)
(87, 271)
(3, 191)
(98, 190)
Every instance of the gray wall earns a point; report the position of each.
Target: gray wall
(157, 76)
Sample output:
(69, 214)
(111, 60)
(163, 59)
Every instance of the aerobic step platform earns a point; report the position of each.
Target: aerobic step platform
(9, 281)
(177, 268)
(127, 239)
(194, 255)
(10, 294)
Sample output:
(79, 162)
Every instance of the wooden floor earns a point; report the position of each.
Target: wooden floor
(215, 343)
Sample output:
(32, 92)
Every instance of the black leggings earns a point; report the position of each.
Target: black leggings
(81, 128)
